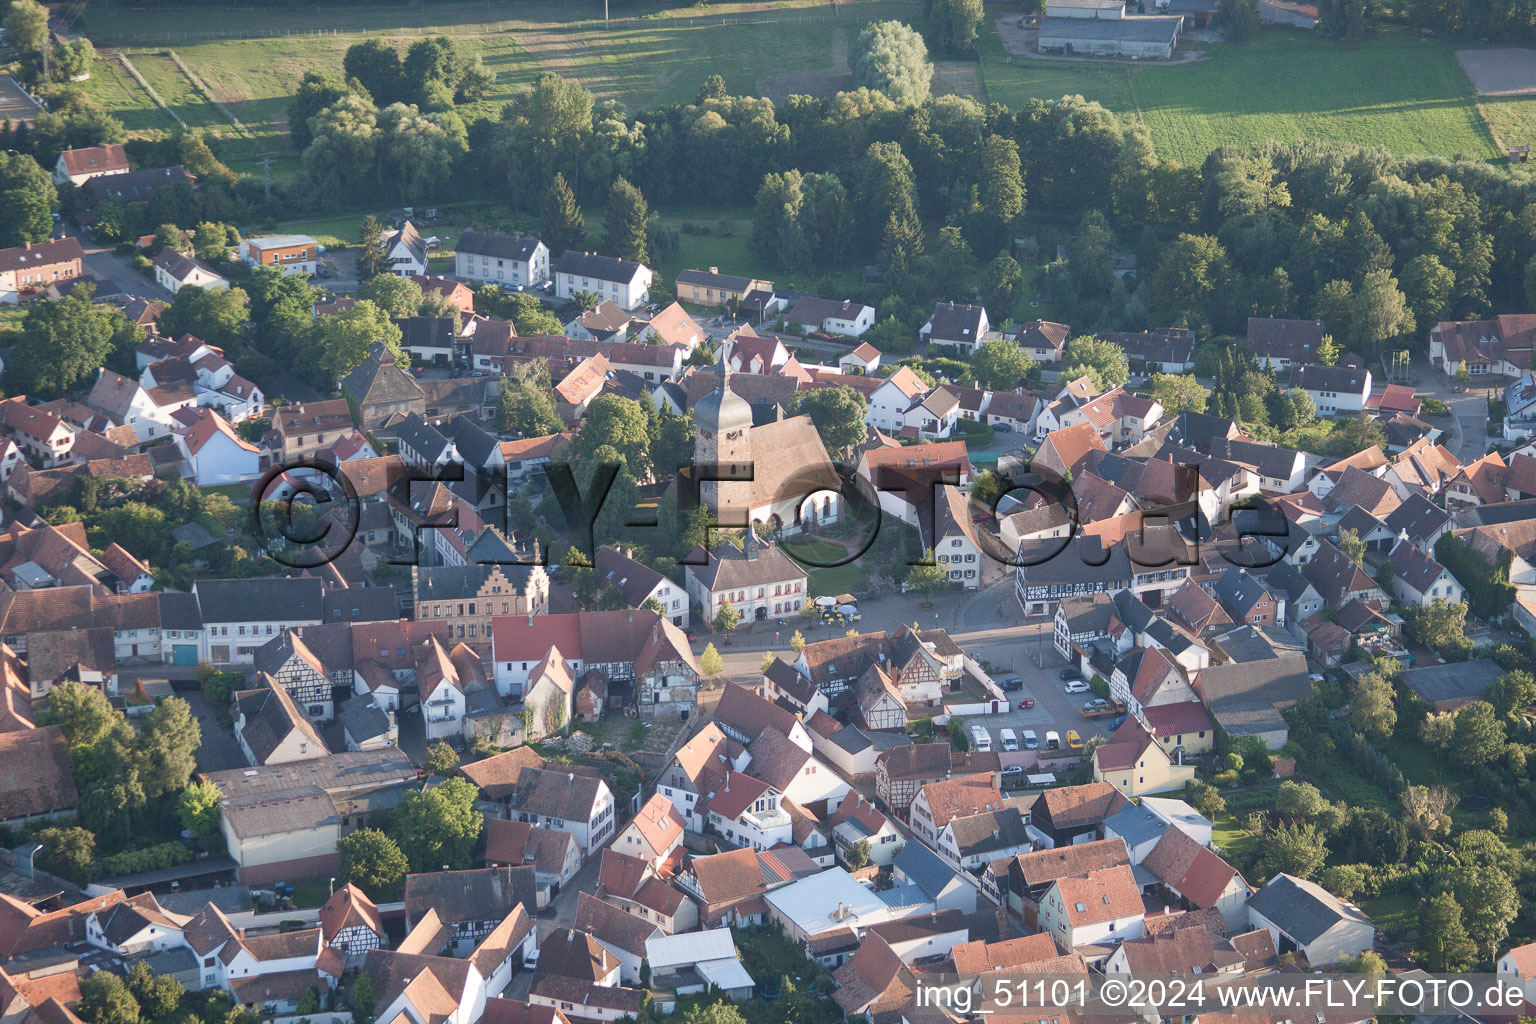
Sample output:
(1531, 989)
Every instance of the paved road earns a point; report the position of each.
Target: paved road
(1467, 433)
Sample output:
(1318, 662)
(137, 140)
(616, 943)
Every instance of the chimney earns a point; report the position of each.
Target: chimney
(714, 270)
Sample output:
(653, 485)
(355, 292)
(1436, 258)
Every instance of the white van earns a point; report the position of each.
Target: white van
(981, 740)
(1010, 739)
(1031, 741)
(1053, 740)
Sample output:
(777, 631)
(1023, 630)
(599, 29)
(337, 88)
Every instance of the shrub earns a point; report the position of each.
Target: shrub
(1226, 778)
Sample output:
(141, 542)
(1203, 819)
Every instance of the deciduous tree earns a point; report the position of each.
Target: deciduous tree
(892, 58)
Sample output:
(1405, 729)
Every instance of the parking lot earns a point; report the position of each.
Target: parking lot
(1054, 709)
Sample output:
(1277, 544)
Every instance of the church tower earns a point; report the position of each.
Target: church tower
(722, 422)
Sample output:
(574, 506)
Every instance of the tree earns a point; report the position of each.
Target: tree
(317, 90)
(440, 760)
(954, 25)
(1295, 848)
(1237, 19)
(617, 423)
(343, 341)
(1512, 694)
(1367, 962)
(1185, 284)
(999, 283)
(1298, 800)
(1489, 902)
(527, 402)
(726, 619)
(626, 231)
(858, 856)
(1379, 312)
(217, 317)
(1352, 546)
(167, 747)
(1443, 935)
(838, 414)
(997, 198)
(26, 26)
(1205, 798)
(1000, 365)
(1103, 362)
(372, 257)
(959, 737)
(710, 662)
(158, 995)
(64, 343)
(1440, 624)
(212, 241)
(928, 576)
(376, 67)
(342, 161)
(67, 852)
(363, 999)
(797, 642)
(395, 295)
(105, 999)
(1371, 710)
(779, 220)
(81, 712)
(1478, 736)
(198, 808)
(1178, 392)
(27, 198)
(563, 226)
(892, 58)
(1328, 351)
(1427, 809)
(438, 827)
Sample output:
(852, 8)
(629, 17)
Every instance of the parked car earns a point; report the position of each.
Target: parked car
(1074, 741)
(1077, 686)
(1095, 704)
(1031, 741)
(1014, 769)
(1026, 702)
(1052, 740)
(1069, 673)
(1013, 683)
(531, 960)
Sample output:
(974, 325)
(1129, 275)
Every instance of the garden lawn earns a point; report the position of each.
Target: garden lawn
(1236, 843)
(1396, 915)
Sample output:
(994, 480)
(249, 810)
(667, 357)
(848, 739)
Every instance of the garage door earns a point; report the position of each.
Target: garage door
(184, 654)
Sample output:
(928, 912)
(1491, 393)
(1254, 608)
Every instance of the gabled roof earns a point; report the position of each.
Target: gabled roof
(612, 926)
(501, 246)
(1103, 894)
(1073, 806)
(969, 794)
(1303, 910)
(1190, 869)
(598, 268)
(1293, 340)
(874, 981)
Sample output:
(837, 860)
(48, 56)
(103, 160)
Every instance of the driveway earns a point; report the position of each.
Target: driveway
(116, 272)
(218, 751)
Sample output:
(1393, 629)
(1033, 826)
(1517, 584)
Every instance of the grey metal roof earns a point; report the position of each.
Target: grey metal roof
(1148, 29)
(1454, 681)
(1136, 825)
(1301, 909)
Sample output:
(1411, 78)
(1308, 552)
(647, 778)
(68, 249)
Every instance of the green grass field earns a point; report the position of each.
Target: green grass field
(115, 90)
(1397, 91)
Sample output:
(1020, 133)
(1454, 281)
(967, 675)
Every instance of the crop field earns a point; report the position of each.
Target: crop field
(1395, 90)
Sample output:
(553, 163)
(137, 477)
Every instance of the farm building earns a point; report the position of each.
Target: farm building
(1152, 37)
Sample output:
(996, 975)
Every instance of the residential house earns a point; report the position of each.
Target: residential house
(441, 691)
(862, 360)
(350, 924)
(292, 254)
(758, 580)
(636, 888)
(240, 616)
(938, 802)
(270, 728)
(555, 856)
(406, 250)
(654, 833)
(1280, 344)
(901, 772)
(1062, 817)
(40, 783)
(514, 262)
(622, 935)
(175, 271)
(845, 319)
(1500, 346)
(299, 431)
(1335, 390)
(1043, 340)
(712, 288)
(470, 904)
(965, 327)
(467, 598)
(1199, 878)
(382, 390)
(625, 282)
(214, 454)
(1099, 908)
(77, 166)
(640, 583)
(565, 802)
(30, 268)
(1136, 764)
(1420, 580)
